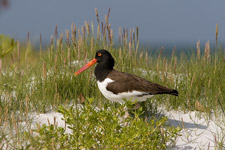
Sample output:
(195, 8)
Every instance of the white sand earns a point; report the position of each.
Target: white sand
(197, 132)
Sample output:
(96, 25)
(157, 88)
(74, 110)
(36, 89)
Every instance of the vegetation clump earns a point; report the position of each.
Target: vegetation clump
(89, 127)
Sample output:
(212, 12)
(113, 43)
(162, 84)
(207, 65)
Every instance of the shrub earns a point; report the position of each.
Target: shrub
(90, 127)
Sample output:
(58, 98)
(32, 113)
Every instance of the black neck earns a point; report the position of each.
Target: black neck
(102, 70)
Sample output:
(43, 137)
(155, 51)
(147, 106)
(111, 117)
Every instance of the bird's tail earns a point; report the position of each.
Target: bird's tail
(174, 92)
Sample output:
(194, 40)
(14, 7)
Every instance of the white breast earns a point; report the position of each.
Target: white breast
(134, 95)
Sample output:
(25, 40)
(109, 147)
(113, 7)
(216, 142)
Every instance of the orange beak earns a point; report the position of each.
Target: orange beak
(92, 62)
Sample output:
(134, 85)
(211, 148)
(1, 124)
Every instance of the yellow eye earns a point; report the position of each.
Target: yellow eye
(99, 54)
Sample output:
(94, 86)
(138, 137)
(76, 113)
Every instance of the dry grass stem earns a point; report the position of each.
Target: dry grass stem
(109, 29)
(55, 63)
(120, 53)
(27, 107)
(87, 27)
(67, 38)
(130, 36)
(98, 32)
(175, 64)
(133, 36)
(137, 33)
(102, 26)
(106, 21)
(28, 37)
(56, 32)
(209, 83)
(217, 32)
(40, 43)
(92, 44)
(96, 12)
(130, 49)
(69, 56)
(79, 45)
(141, 55)
(75, 32)
(58, 44)
(61, 41)
(198, 49)
(51, 42)
(18, 51)
(111, 36)
(164, 68)
(44, 71)
(146, 57)
(72, 34)
(83, 32)
(207, 52)
(158, 60)
(120, 36)
(173, 53)
(192, 79)
(108, 13)
(199, 106)
(125, 39)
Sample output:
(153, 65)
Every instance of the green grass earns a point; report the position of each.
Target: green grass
(39, 81)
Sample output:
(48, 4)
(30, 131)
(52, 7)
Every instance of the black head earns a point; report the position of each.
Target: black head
(105, 64)
(104, 67)
(104, 57)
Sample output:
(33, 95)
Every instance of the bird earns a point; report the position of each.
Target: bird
(117, 86)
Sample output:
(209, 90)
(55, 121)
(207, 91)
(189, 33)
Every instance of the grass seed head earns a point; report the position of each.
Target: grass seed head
(67, 38)
(96, 12)
(207, 52)
(133, 36)
(217, 32)
(83, 32)
(51, 41)
(28, 37)
(198, 49)
(120, 38)
(130, 35)
(56, 32)
(137, 32)
(61, 39)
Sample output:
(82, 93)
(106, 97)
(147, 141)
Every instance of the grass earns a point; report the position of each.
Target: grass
(43, 80)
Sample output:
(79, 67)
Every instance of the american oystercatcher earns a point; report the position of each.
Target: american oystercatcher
(117, 86)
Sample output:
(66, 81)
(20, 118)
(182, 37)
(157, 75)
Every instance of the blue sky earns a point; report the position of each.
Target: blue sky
(158, 20)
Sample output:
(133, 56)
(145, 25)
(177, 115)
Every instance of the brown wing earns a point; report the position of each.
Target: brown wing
(126, 82)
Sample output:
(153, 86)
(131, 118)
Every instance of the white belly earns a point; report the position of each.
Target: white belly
(131, 96)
